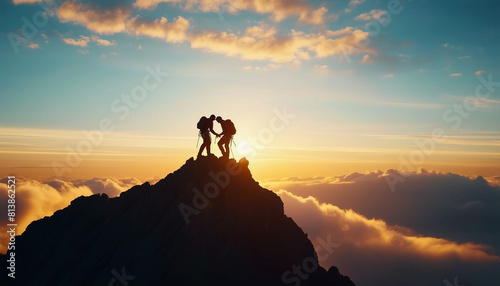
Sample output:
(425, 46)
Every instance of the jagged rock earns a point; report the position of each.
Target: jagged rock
(208, 223)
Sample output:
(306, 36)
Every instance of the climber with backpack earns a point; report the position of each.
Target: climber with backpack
(228, 130)
(206, 125)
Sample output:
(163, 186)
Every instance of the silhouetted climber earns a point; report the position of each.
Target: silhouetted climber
(206, 125)
(228, 130)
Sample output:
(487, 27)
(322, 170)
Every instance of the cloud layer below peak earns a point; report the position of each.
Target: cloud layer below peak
(434, 226)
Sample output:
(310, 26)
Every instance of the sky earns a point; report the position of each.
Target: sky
(97, 97)
(361, 81)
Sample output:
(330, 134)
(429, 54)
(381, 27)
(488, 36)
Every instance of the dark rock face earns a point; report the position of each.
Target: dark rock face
(208, 223)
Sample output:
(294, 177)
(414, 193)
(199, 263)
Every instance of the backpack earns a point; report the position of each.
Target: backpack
(229, 128)
(203, 123)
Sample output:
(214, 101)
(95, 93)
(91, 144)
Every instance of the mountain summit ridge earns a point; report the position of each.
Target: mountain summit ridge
(207, 223)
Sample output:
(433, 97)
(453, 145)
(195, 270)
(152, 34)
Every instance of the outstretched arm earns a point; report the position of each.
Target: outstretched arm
(215, 133)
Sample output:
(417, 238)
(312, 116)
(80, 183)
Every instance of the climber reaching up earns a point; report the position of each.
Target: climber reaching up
(206, 125)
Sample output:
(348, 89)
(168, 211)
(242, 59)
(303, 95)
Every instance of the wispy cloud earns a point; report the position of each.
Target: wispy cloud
(33, 46)
(37, 199)
(268, 67)
(321, 69)
(352, 4)
(367, 60)
(82, 41)
(259, 43)
(375, 14)
(102, 21)
(417, 105)
(292, 47)
(102, 42)
(278, 9)
(174, 32)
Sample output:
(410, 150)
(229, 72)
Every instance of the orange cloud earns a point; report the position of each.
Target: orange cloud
(100, 21)
(378, 248)
(260, 43)
(352, 4)
(152, 4)
(367, 60)
(269, 67)
(82, 41)
(255, 43)
(279, 9)
(375, 14)
(376, 233)
(352, 43)
(26, 1)
(174, 32)
(35, 199)
(33, 46)
(102, 42)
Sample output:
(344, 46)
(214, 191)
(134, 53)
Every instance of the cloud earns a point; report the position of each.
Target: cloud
(262, 44)
(389, 75)
(102, 42)
(82, 51)
(34, 200)
(321, 69)
(480, 73)
(139, 47)
(456, 74)
(367, 60)
(494, 181)
(279, 9)
(352, 4)
(33, 46)
(152, 4)
(174, 32)
(464, 58)
(376, 14)
(450, 46)
(82, 41)
(26, 1)
(102, 21)
(37, 199)
(268, 67)
(416, 105)
(444, 205)
(110, 186)
(388, 254)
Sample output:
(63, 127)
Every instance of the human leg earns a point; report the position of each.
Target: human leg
(224, 146)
